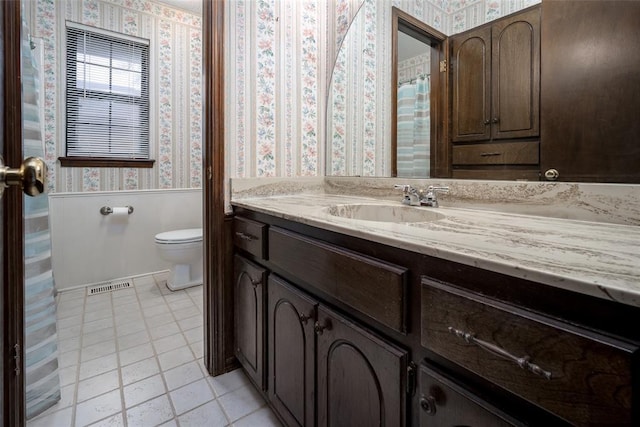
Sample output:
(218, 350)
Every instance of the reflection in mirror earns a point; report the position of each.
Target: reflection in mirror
(415, 54)
(358, 93)
(360, 118)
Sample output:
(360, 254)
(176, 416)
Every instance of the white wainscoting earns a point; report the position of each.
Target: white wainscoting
(88, 247)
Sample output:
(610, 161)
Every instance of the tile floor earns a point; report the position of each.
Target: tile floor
(133, 357)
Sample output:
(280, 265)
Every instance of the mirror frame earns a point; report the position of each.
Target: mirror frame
(439, 88)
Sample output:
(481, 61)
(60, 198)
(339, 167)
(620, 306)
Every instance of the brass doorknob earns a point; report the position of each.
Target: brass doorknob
(31, 177)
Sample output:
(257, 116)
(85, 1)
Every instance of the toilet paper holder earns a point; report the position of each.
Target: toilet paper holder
(106, 210)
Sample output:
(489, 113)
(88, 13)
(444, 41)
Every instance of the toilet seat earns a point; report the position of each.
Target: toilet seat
(189, 235)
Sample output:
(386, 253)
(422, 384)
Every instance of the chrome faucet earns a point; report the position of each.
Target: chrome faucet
(411, 195)
(431, 196)
(414, 197)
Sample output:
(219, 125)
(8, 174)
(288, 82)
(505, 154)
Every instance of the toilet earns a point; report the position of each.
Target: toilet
(183, 249)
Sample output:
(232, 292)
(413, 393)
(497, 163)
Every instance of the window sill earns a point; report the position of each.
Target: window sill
(96, 162)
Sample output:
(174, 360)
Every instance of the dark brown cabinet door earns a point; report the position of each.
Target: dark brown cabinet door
(591, 90)
(471, 65)
(250, 280)
(291, 317)
(361, 378)
(515, 63)
(496, 80)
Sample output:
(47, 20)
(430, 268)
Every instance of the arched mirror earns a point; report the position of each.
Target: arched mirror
(418, 96)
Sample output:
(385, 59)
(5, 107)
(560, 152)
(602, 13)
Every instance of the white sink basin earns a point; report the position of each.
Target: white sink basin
(385, 213)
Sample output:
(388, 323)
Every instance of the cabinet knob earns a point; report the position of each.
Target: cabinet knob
(319, 327)
(495, 120)
(304, 318)
(486, 122)
(428, 404)
(551, 174)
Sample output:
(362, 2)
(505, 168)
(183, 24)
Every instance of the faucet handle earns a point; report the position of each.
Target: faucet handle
(411, 196)
(430, 198)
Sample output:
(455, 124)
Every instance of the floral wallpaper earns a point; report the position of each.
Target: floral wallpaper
(176, 91)
(278, 56)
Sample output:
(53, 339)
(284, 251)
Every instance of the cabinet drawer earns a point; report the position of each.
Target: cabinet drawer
(443, 402)
(499, 172)
(250, 236)
(371, 286)
(582, 376)
(508, 153)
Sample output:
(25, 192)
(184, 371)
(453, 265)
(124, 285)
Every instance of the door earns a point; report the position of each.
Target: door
(11, 234)
(250, 282)
(361, 378)
(14, 176)
(471, 69)
(291, 317)
(515, 70)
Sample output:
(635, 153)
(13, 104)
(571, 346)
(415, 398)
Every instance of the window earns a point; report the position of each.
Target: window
(107, 98)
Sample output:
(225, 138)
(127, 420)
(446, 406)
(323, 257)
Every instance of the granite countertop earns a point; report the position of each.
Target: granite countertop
(593, 258)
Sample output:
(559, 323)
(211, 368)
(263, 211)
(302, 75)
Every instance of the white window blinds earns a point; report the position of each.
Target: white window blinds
(107, 94)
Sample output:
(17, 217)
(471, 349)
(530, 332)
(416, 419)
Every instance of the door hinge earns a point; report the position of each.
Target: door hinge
(411, 378)
(17, 360)
(443, 66)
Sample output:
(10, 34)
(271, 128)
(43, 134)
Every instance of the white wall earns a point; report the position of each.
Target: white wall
(88, 247)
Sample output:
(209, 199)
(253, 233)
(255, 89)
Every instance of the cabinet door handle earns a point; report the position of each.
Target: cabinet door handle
(486, 122)
(495, 120)
(244, 236)
(319, 327)
(523, 361)
(254, 282)
(490, 154)
(304, 318)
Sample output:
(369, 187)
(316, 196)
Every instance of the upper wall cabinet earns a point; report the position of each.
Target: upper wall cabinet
(590, 122)
(496, 80)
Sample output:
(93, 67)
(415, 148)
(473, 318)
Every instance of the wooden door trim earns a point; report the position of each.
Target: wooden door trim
(401, 20)
(218, 292)
(13, 253)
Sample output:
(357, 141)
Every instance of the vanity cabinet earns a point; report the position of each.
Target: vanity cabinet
(360, 333)
(360, 377)
(495, 71)
(323, 367)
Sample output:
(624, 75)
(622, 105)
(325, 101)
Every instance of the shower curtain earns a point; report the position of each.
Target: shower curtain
(413, 133)
(41, 348)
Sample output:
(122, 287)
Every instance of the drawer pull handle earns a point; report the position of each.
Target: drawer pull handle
(490, 154)
(523, 362)
(319, 327)
(244, 236)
